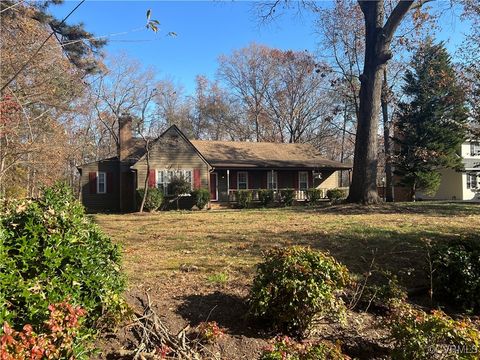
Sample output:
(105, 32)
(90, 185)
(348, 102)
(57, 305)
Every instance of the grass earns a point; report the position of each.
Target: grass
(218, 278)
(223, 245)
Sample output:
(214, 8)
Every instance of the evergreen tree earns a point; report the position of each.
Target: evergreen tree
(432, 124)
(79, 46)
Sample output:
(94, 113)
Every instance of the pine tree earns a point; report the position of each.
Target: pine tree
(81, 47)
(432, 124)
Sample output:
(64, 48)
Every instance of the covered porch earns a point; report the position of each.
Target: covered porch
(225, 182)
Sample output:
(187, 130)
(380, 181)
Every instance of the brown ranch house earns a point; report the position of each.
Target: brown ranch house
(223, 167)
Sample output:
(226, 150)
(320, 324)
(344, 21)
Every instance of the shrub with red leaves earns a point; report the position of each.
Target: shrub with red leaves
(56, 341)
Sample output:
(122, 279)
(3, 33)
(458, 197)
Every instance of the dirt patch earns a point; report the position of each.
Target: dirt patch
(188, 299)
(198, 266)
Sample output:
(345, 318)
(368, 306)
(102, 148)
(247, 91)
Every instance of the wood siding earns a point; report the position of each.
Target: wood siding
(329, 180)
(109, 201)
(172, 152)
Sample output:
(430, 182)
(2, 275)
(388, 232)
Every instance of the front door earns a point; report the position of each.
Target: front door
(213, 187)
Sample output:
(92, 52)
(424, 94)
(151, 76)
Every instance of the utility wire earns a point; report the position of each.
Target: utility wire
(39, 48)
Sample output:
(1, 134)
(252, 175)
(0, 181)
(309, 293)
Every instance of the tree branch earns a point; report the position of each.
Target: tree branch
(38, 49)
(395, 18)
(398, 14)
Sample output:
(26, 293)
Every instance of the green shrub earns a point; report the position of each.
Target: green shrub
(153, 201)
(314, 195)
(49, 252)
(287, 196)
(201, 197)
(295, 285)
(418, 335)
(244, 198)
(283, 348)
(336, 194)
(265, 196)
(179, 186)
(456, 275)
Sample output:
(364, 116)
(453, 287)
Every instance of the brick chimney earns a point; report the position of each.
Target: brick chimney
(124, 136)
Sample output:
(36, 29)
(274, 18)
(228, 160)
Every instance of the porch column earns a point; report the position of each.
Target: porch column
(228, 185)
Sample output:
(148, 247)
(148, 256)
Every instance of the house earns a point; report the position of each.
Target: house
(456, 185)
(223, 167)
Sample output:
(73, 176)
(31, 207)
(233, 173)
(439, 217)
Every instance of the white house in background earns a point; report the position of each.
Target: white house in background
(461, 185)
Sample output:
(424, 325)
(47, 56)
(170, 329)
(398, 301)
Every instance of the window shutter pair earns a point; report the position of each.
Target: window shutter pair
(92, 179)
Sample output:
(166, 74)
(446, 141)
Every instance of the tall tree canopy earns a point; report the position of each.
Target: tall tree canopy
(80, 46)
(432, 125)
(39, 105)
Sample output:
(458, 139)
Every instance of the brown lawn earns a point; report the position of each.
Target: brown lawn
(198, 265)
(232, 242)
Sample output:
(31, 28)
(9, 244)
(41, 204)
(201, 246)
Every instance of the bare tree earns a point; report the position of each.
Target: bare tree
(145, 126)
(118, 90)
(380, 25)
(297, 98)
(172, 105)
(217, 113)
(249, 75)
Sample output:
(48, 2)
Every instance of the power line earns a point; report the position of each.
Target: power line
(39, 48)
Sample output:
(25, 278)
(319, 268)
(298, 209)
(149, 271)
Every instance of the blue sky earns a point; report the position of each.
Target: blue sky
(205, 31)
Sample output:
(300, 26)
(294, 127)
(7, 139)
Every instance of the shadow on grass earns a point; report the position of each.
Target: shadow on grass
(434, 208)
(401, 253)
(227, 310)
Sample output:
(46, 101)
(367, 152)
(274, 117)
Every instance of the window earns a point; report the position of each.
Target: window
(474, 148)
(101, 183)
(303, 180)
(162, 180)
(272, 180)
(165, 176)
(472, 181)
(242, 180)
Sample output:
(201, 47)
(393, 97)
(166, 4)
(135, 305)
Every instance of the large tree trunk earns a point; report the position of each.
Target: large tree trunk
(364, 177)
(386, 141)
(378, 37)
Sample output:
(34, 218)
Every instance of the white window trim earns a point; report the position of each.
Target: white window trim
(104, 182)
(274, 180)
(238, 179)
(474, 178)
(166, 173)
(474, 149)
(299, 181)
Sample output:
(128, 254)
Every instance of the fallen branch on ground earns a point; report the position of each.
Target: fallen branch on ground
(155, 341)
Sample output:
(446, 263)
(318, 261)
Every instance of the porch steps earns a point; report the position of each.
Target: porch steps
(219, 206)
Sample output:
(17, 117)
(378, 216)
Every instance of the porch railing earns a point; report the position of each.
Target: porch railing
(300, 195)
